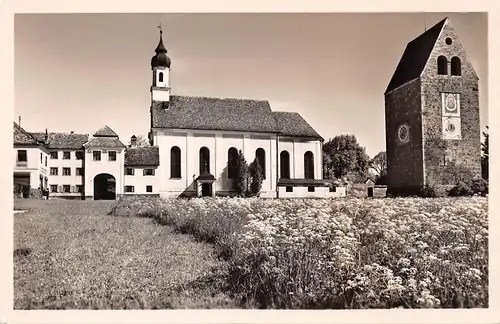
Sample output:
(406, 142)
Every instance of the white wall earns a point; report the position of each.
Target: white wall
(219, 143)
(34, 166)
(93, 168)
(72, 180)
(319, 192)
(140, 181)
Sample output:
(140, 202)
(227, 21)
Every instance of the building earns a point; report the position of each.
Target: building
(31, 160)
(432, 114)
(199, 139)
(194, 144)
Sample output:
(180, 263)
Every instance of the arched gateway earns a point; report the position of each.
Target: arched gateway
(104, 187)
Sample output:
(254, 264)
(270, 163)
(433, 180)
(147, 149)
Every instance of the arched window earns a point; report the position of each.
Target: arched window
(232, 159)
(175, 162)
(442, 63)
(456, 66)
(284, 165)
(308, 165)
(160, 77)
(260, 154)
(204, 159)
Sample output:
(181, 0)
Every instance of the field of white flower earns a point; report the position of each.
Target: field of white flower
(340, 253)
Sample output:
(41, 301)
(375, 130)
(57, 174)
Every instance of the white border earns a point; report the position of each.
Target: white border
(9, 7)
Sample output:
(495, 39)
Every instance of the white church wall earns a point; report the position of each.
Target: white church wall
(297, 149)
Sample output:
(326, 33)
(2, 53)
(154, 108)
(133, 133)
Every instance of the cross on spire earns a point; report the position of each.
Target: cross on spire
(160, 28)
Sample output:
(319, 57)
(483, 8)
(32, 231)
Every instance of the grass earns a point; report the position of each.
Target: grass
(73, 255)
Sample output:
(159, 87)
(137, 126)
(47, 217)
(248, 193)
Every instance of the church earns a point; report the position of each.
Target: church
(194, 145)
(433, 134)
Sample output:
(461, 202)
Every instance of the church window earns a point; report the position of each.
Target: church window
(260, 154)
(175, 162)
(160, 77)
(204, 159)
(232, 160)
(442, 63)
(456, 66)
(284, 165)
(309, 165)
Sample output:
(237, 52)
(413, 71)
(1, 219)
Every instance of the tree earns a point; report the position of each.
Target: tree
(485, 156)
(141, 141)
(345, 155)
(241, 175)
(379, 163)
(256, 177)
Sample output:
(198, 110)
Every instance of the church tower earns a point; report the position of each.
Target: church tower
(160, 65)
(432, 114)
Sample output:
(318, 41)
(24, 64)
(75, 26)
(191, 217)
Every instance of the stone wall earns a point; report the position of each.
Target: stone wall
(404, 160)
(466, 151)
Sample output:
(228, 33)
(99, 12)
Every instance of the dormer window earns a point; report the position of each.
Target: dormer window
(442, 65)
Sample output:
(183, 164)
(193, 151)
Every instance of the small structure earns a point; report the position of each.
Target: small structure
(309, 188)
(204, 184)
(369, 184)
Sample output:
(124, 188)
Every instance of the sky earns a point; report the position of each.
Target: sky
(79, 72)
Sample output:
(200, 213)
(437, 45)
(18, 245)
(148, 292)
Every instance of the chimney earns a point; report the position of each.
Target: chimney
(46, 135)
(133, 141)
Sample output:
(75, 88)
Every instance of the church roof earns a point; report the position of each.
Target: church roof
(142, 156)
(206, 113)
(292, 124)
(105, 132)
(104, 142)
(22, 137)
(62, 140)
(415, 57)
(229, 114)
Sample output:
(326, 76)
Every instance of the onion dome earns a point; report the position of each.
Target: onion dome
(160, 59)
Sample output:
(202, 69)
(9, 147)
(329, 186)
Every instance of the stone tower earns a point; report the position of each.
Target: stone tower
(432, 114)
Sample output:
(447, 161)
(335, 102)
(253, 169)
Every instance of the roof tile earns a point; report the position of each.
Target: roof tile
(142, 156)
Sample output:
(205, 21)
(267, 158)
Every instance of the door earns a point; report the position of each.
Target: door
(206, 189)
(370, 191)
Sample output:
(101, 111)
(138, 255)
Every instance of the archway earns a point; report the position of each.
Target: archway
(104, 187)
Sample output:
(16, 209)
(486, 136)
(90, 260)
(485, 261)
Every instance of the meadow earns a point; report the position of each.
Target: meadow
(150, 253)
(339, 253)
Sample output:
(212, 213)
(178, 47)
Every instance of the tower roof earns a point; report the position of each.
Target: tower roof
(415, 57)
(105, 132)
(160, 59)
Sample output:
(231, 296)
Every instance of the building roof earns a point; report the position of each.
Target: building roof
(304, 182)
(229, 114)
(415, 57)
(104, 142)
(22, 137)
(205, 175)
(62, 140)
(292, 124)
(204, 113)
(142, 156)
(105, 132)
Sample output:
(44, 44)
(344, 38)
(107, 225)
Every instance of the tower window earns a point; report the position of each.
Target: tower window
(456, 66)
(442, 63)
(160, 77)
(448, 41)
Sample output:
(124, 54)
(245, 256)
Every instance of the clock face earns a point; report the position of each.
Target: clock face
(451, 128)
(404, 133)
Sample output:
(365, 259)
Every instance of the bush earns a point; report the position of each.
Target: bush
(479, 186)
(428, 192)
(461, 189)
